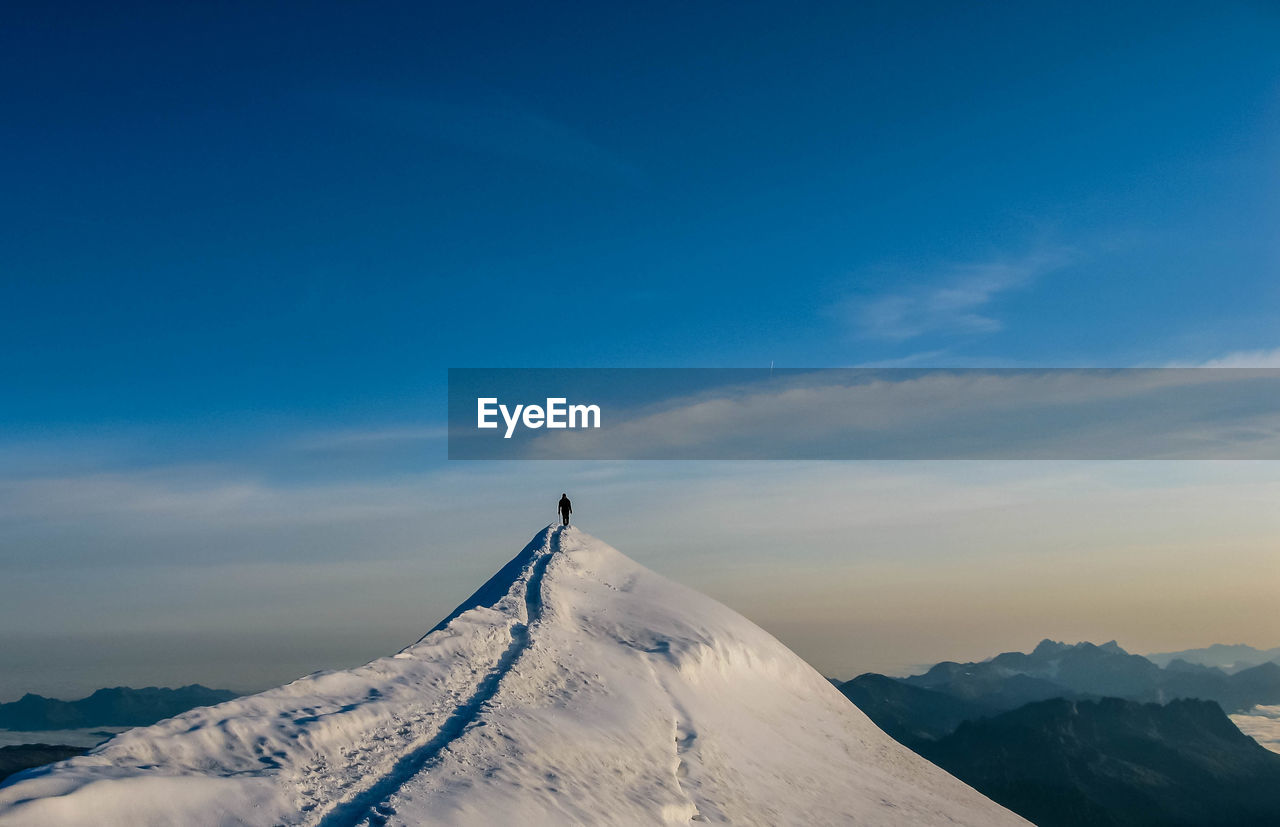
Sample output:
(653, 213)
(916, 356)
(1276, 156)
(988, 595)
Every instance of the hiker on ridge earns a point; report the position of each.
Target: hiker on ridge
(566, 508)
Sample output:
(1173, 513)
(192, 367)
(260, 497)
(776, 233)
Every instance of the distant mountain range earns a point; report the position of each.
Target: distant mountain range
(1229, 658)
(1068, 734)
(1084, 670)
(119, 706)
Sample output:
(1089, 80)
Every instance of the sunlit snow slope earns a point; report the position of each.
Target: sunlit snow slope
(576, 687)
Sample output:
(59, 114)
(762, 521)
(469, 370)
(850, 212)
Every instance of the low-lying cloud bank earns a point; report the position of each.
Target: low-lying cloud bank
(1262, 724)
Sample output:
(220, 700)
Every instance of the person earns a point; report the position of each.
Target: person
(566, 508)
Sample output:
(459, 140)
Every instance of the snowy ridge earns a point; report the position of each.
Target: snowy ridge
(575, 687)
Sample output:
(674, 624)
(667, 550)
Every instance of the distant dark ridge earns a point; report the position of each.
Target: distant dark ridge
(15, 759)
(1228, 657)
(909, 714)
(115, 707)
(1117, 763)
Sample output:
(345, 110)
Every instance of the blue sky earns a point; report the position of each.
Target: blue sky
(241, 245)
(311, 211)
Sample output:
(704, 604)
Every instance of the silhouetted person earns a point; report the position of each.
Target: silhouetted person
(566, 508)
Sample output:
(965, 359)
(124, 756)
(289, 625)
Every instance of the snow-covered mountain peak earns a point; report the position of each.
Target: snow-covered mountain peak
(575, 687)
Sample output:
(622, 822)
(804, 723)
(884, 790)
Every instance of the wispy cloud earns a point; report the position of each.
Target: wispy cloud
(369, 438)
(956, 300)
(1238, 359)
(942, 358)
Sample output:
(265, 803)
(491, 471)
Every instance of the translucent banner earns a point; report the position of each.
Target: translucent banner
(854, 413)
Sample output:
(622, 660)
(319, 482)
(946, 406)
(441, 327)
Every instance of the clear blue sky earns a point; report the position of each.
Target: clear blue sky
(240, 243)
(312, 209)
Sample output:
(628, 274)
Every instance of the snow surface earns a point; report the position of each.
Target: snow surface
(575, 687)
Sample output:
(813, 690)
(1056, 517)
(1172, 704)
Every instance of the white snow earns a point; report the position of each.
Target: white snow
(576, 687)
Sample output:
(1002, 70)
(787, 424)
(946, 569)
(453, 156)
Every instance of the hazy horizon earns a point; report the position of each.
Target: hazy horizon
(857, 567)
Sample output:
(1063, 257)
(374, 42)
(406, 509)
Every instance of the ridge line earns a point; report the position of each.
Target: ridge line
(368, 805)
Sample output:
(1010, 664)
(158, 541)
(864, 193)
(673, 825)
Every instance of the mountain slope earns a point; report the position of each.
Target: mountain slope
(909, 713)
(574, 687)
